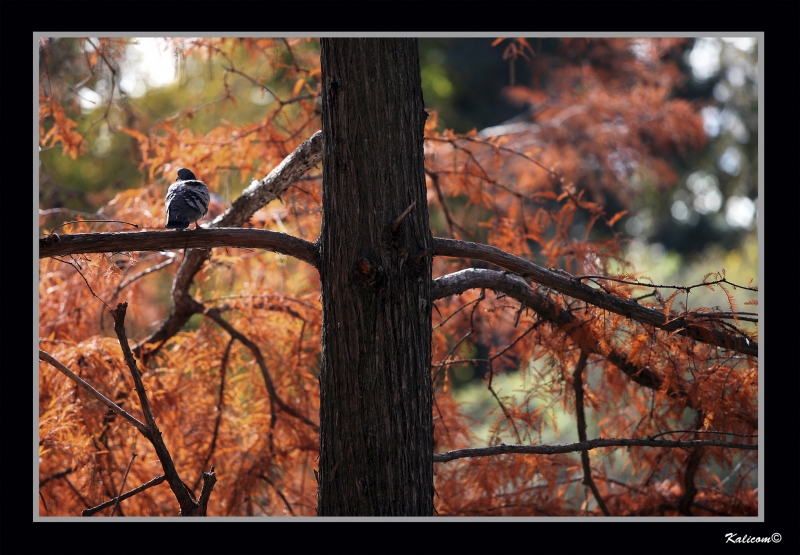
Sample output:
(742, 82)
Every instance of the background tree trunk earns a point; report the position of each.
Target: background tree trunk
(376, 440)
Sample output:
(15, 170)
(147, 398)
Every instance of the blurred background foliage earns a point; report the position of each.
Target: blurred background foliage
(157, 81)
(465, 80)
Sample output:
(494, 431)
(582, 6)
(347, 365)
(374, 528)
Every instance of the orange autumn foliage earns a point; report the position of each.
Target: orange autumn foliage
(539, 193)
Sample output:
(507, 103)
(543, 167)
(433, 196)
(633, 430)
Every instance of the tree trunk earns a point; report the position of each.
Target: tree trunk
(376, 438)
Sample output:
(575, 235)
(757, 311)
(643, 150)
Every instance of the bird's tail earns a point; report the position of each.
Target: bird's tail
(177, 224)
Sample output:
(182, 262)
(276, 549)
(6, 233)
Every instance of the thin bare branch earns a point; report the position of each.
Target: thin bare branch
(721, 432)
(498, 353)
(280, 494)
(77, 268)
(124, 496)
(451, 223)
(94, 222)
(56, 476)
(215, 315)
(577, 376)
(505, 411)
(681, 287)
(171, 257)
(399, 219)
(223, 370)
(114, 70)
(93, 392)
(504, 449)
(122, 485)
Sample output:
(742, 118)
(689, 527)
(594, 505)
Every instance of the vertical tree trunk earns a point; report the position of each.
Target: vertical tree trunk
(376, 440)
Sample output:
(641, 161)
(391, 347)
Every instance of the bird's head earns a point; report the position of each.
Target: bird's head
(185, 174)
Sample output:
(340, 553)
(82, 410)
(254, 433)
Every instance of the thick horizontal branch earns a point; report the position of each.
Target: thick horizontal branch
(166, 240)
(572, 287)
(504, 449)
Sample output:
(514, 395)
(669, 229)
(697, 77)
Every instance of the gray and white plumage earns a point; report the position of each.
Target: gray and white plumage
(187, 200)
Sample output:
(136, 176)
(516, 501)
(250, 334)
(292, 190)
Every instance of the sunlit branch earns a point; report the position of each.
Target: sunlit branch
(171, 257)
(566, 284)
(504, 449)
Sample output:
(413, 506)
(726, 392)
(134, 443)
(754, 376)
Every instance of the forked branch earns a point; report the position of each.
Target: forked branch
(189, 507)
(569, 285)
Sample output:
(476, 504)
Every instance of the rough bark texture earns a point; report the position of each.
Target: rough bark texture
(376, 440)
